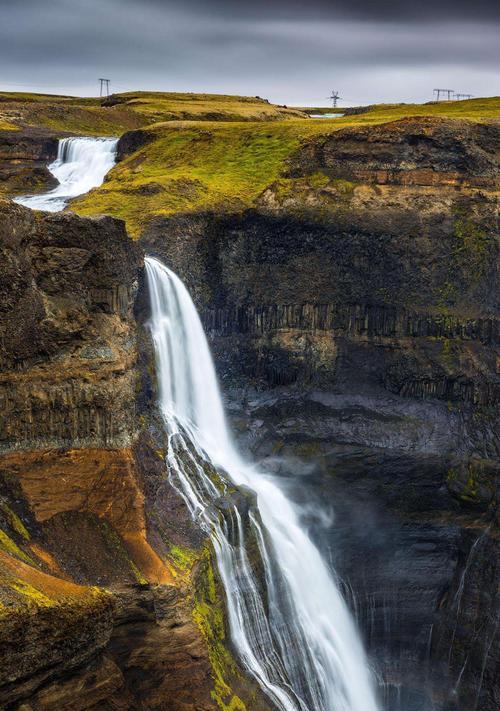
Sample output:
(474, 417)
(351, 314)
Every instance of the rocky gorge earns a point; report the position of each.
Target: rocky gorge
(353, 316)
(352, 312)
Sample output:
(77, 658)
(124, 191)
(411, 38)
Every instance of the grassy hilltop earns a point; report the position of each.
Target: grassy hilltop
(191, 165)
(122, 112)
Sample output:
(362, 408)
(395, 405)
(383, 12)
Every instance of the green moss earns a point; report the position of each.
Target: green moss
(209, 616)
(10, 547)
(137, 573)
(7, 126)
(15, 522)
(183, 558)
(206, 166)
(34, 596)
(118, 547)
(226, 166)
(466, 484)
(447, 353)
(446, 296)
(308, 449)
(344, 186)
(471, 247)
(321, 187)
(203, 166)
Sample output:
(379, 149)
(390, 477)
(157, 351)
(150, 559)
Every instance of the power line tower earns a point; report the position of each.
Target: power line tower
(463, 96)
(438, 93)
(334, 98)
(104, 87)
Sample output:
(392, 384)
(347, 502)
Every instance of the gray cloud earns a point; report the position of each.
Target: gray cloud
(286, 50)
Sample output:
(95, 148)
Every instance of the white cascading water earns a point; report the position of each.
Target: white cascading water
(81, 165)
(296, 638)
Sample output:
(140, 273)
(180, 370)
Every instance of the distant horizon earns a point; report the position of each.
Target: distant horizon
(22, 89)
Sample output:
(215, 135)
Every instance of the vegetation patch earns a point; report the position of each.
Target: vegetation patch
(223, 166)
(10, 547)
(123, 112)
(208, 614)
(226, 166)
(471, 247)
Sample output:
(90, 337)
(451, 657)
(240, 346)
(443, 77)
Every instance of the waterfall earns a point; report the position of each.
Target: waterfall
(292, 630)
(81, 165)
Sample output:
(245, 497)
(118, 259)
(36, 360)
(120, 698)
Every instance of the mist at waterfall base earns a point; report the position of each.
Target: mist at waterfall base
(81, 164)
(297, 639)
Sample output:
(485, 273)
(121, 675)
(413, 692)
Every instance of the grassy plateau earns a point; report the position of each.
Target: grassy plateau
(193, 165)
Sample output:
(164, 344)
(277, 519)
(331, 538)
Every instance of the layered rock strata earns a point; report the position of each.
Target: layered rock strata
(103, 600)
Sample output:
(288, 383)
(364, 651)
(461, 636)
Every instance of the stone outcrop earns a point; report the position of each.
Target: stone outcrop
(24, 155)
(67, 333)
(342, 281)
(353, 317)
(409, 152)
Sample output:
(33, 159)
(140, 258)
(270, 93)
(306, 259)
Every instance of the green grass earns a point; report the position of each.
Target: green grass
(225, 165)
(197, 166)
(481, 109)
(88, 116)
(223, 157)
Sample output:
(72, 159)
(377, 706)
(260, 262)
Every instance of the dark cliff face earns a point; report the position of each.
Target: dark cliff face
(425, 151)
(98, 558)
(353, 316)
(366, 289)
(67, 288)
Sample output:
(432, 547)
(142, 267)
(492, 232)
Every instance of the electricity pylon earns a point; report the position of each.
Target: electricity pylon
(334, 98)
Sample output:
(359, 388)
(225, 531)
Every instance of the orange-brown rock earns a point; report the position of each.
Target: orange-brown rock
(100, 482)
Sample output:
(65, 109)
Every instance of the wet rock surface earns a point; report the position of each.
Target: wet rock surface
(353, 318)
(413, 540)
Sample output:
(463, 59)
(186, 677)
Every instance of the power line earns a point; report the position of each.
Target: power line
(104, 87)
(438, 92)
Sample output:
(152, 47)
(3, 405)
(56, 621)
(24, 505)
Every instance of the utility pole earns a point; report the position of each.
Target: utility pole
(103, 87)
(438, 92)
(334, 98)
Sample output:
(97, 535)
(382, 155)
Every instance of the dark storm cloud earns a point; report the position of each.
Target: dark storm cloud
(289, 51)
(346, 9)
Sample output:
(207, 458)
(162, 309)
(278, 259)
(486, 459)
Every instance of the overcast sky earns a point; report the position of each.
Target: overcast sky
(290, 51)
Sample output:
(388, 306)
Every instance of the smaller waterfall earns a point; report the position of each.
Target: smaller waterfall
(81, 165)
(292, 630)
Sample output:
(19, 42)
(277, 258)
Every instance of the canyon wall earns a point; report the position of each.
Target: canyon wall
(103, 579)
(354, 309)
(353, 316)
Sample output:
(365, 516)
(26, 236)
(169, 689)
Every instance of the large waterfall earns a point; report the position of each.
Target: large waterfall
(297, 638)
(81, 165)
